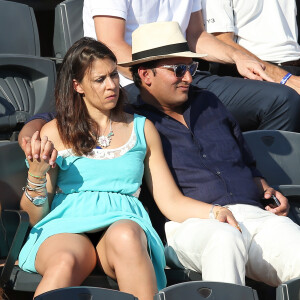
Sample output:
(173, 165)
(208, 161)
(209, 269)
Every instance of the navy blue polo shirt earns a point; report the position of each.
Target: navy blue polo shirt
(209, 160)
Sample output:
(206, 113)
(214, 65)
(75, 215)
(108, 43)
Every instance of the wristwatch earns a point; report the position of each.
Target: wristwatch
(38, 200)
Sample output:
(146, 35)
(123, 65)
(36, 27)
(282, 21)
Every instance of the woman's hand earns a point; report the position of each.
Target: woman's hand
(224, 215)
(40, 163)
(35, 148)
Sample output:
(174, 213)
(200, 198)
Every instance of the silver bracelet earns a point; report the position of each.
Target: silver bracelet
(211, 212)
(30, 188)
(38, 200)
(37, 184)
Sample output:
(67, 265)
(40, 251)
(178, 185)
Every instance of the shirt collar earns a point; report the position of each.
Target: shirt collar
(140, 104)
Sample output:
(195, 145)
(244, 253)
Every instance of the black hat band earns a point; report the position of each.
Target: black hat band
(164, 50)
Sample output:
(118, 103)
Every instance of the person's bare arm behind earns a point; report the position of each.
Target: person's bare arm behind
(111, 31)
(202, 42)
(273, 71)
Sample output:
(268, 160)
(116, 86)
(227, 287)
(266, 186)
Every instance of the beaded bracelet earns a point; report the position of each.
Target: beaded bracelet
(38, 177)
(285, 78)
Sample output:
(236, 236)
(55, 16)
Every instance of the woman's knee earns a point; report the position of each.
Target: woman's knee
(65, 250)
(70, 265)
(126, 237)
(64, 261)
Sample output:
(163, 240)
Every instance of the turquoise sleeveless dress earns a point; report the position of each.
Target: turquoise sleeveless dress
(95, 191)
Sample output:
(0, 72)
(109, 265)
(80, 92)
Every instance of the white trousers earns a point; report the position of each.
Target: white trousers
(267, 250)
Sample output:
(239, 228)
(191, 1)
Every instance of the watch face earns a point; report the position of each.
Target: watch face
(40, 200)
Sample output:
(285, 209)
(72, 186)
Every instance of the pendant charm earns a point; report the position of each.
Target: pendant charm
(104, 141)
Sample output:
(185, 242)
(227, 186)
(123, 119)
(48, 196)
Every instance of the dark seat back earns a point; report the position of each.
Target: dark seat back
(68, 26)
(13, 223)
(277, 156)
(26, 80)
(19, 32)
(84, 292)
(13, 174)
(26, 88)
(206, 290)
(288, 290)
(278, 159)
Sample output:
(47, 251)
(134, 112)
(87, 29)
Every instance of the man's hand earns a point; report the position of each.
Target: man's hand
(250, 68)
(34, 151)
(283, 208)
(223, 214)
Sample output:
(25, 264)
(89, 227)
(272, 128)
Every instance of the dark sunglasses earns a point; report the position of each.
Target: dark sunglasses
(180, 70)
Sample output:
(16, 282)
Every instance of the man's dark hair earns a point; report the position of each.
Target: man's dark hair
(147, 65)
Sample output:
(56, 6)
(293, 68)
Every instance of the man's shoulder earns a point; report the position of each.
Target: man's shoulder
(204, 96)
(141, 109)
(205, 104)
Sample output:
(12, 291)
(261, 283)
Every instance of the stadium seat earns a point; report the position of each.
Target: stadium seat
(26, 79)
(277, 156)
(206, 290)
(13, 174)
(26, 88)
(84, 292)
(19, 32)
(68, 26)
(289, 290)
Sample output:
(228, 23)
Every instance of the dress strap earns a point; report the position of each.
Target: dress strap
(139, 124)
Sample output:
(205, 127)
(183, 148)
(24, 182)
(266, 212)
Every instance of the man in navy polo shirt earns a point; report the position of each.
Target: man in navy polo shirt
(210, 161)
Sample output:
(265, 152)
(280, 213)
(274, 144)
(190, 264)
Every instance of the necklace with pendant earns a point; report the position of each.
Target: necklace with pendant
(104, 140)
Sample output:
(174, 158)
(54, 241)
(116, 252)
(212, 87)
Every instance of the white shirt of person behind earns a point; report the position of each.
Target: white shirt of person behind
(267, 28)
(136, 13)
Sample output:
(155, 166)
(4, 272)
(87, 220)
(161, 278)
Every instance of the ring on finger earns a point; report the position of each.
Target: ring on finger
(238, 227)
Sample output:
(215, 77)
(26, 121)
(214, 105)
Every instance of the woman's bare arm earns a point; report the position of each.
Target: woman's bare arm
(172, 203)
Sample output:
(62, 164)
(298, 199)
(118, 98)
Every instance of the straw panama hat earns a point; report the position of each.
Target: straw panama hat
(158, 40)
